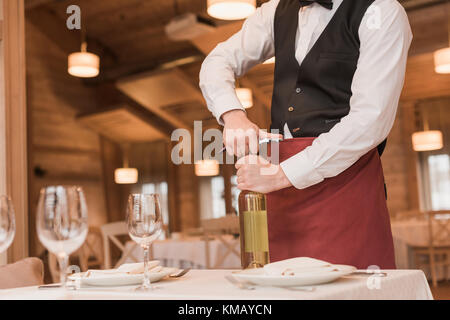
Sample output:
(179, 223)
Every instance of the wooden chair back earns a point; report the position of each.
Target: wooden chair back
(217, 229)
(439, 228)
(24, 273)
(110, 233)
(92, 252)
(410, 214)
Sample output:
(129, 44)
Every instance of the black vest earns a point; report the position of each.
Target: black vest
(312, 97)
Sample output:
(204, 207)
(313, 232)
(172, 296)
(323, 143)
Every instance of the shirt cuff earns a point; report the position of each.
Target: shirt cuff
(300, 171)
(225, 103)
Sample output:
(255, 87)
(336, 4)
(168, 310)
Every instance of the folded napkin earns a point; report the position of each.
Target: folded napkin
(296, 266)
(125, 269)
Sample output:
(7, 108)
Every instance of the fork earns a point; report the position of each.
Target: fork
(180, 274)
(248, 286)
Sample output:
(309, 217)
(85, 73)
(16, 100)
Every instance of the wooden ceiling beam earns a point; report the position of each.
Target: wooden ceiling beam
(68, 41)
(421, 82)
(429, 27)
(120, 71)
(32, 4)
(109, 96)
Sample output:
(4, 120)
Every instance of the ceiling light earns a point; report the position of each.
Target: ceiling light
(427, 140)
(270, 61)
(231, 9)
(442, 60)
(84, 64)
(207, 168)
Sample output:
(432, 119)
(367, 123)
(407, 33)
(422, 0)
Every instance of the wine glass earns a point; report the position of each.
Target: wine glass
(144, 221)
(62, 223)
(7, 223)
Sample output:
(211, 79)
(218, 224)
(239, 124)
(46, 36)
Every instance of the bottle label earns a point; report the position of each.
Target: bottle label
(255, 230)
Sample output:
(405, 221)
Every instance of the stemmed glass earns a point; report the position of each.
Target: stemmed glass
(144, 221)
(62, 222)
(7, 223)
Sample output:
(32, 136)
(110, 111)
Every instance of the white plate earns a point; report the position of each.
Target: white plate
(125, 280)
(258, 277)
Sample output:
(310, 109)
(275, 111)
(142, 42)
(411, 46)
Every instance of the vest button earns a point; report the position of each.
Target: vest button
(298, 90)
(290, 109)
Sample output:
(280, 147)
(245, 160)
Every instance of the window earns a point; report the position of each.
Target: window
(235, 193)
(161, 189)
(439, 181)
(212, 197)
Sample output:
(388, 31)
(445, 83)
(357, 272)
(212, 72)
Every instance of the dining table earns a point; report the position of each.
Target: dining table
(213, 285)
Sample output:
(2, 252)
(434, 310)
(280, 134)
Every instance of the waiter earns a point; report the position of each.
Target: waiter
(339, 72)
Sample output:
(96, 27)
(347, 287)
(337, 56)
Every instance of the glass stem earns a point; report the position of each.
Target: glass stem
(146, 284)
(63, 260)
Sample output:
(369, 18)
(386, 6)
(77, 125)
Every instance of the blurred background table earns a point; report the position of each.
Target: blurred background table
(190, 253)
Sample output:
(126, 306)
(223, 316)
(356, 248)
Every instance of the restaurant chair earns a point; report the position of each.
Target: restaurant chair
(410, 214)
(110, 233)
(24, 273)
(437, 253)
(91, 254)
(225, 230)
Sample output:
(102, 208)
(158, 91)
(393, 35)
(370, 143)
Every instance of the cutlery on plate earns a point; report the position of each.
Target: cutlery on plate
(180, 274)
(57, 286)
(249, 286)
(50, 286)
(364, 273)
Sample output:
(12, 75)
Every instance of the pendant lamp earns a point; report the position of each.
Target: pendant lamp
(207, 168)
(427, 140)
(126, 175)
(231, 9)
(442, 56)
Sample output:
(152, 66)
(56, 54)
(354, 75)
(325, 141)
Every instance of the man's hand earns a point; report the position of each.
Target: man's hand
(240, 135)
(257, 174)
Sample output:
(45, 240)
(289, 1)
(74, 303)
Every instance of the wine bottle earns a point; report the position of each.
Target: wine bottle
(254, 232)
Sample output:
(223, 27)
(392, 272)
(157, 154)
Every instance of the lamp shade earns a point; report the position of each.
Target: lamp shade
(427, 140)
(206, 168)
(231, 9)
(245, 97)
(270, 61)
(442, 60)
(84, 65)
(126, 175)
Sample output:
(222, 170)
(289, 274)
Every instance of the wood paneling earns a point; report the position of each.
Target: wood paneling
(13, 136)
(62, 150)
(422, 82)
(121, 125)
(161, 89)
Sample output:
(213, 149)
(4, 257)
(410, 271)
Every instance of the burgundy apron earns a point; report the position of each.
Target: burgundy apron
(342, 220)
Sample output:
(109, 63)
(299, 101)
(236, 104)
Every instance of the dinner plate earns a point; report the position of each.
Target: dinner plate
(313, 277)
(120, 280)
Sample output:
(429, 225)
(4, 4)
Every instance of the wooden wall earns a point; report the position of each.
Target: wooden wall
(61, 151)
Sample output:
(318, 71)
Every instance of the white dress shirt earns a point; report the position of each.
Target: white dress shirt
(385, 37)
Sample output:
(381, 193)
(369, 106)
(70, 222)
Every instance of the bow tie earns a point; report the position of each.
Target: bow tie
(324, 3)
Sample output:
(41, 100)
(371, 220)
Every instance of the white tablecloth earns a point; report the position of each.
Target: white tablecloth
(211, 285)
(190, 253)
(407, 234)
